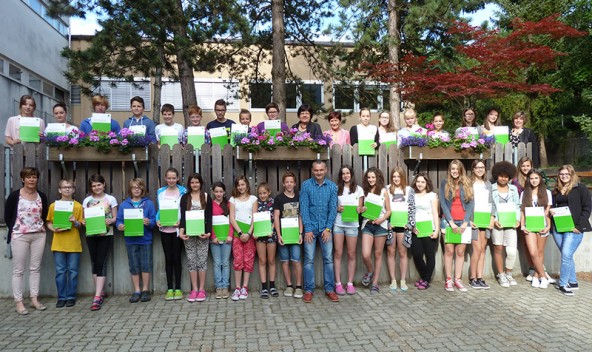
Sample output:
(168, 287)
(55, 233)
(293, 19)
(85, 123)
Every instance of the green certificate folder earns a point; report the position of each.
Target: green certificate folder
(458, 238)
(423, 224)
(29, 129)
(290, 230)
(262, 224)
(563, 219)
(169, 135)
(244, 222)
(169, 212)
(195, 223)
(534, 218)
(388, 139)
(133, 220)
(373, 204)
(482, 215)
(502, 134)
(350, 208)
(55, 129)
(236, 130)
(365, 148)
(273, 127)
(62, 212)
(506, 213)
(399, 214)
(196, 136)
(219, 136)
(95, 221)
(220, 227)
(101, 122)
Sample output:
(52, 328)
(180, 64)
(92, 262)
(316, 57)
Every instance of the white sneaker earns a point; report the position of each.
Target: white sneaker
(544, 283)
(503, 281)
(530, 274)
(511, 279)
(243, 293)
(550, 279)
(236, 295)
(535, 282)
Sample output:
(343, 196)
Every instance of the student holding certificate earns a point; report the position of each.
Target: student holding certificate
(457, 203)
(469, 121)
(100, 104)
(376, 212)
(64, 219)
(221, 120)
(350, 199)
(169, 132)
(424, 242)
(195, 231)
(27, 108)
(266, 245)
(482, 223)
(507, 218)
(571, 194)
(99, 234)
(338, 134)
(25, 212)
(138, 119)
(364, 134)
(438, 131)
(137, 218)
(411, 126)
(221, 240)
(167, 220)
(402, 199)
(535, 224)
(272, 110)
(288, 226)
(60, 115)
(195, 134)
(243, 246)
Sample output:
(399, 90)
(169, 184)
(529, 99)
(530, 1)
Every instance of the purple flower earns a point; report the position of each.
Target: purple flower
(473, 144)
(73, 141)
(124, 142)
(114, 142)
(445, 138)
(271, 141)
(245, 140)
(322, 142)
(481, 141)
(112, 134)
(465, 145)
(93, 138)
(279, 138)
(62, 139)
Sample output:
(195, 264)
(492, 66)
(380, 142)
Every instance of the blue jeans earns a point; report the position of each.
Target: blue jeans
(66, 266)
(221, 259)
(139, 258)
(568, 243)
(328, 272)
(289, 252)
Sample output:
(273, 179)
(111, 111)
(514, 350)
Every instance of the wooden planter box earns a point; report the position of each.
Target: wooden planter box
(92, 154)
(283, 153)
(441, 153)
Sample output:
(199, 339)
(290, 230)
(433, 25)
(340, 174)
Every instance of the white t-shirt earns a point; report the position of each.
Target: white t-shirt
(535, 199)
(346, 195)
(423, 202)
(178, 127)
(481, 192)
(243, 208)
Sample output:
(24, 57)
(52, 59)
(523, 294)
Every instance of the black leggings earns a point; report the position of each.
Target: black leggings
(172, 245)
(420, 247)
(99, 248)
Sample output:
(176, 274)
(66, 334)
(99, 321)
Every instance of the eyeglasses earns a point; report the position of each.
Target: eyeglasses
(272, 112)
(67, 187)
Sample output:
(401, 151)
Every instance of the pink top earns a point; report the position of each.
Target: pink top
(341, 137)
(217, 210)
(13, 127)
(28, 217)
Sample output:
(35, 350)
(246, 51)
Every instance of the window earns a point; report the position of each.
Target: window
(354, 97)
(48, 89)
(119, 93)
(60, 95)
(1, 66)
(59, 24)
(75, 94)
(261, 94)
(14, 72)
(207, 92)
(35, 82)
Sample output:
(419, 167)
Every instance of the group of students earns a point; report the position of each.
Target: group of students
(452, 210)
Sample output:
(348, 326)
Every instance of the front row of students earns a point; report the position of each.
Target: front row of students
(472, 208)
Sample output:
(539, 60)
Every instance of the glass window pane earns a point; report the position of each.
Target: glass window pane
(260, 95)
(344, 97)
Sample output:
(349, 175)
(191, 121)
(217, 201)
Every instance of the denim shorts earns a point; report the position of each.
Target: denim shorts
(348, 231)
(374, 230)
(139, 257)
(290, 252)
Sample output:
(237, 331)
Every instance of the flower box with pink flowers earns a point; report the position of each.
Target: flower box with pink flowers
(290, 145)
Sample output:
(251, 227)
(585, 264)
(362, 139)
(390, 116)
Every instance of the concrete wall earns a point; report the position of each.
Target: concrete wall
(118, 280)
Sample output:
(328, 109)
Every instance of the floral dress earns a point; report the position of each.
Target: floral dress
(28, 217)
(267, 206)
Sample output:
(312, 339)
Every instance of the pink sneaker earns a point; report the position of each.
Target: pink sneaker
(339, 289)
(192, 296)
(351, 290)
(201, 296)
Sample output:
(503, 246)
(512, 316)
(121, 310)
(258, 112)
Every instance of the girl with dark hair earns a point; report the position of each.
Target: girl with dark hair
(348, 194)
(536, 194)
(364, 128)
(374, 230)
(221, 249)
(480, 234)
(196, 246)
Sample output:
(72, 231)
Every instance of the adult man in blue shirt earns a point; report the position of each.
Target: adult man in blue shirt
(318, 208)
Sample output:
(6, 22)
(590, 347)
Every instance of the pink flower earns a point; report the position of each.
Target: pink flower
(113, 142)
(73, 141)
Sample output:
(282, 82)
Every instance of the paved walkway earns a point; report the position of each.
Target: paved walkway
(518, 318)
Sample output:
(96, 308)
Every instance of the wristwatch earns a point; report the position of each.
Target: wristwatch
(328, 230)
(240, 233)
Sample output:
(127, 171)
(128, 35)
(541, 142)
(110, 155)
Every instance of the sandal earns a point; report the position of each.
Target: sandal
(96, 303)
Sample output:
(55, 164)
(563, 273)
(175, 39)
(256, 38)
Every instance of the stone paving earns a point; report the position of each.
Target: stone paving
(500, 319)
